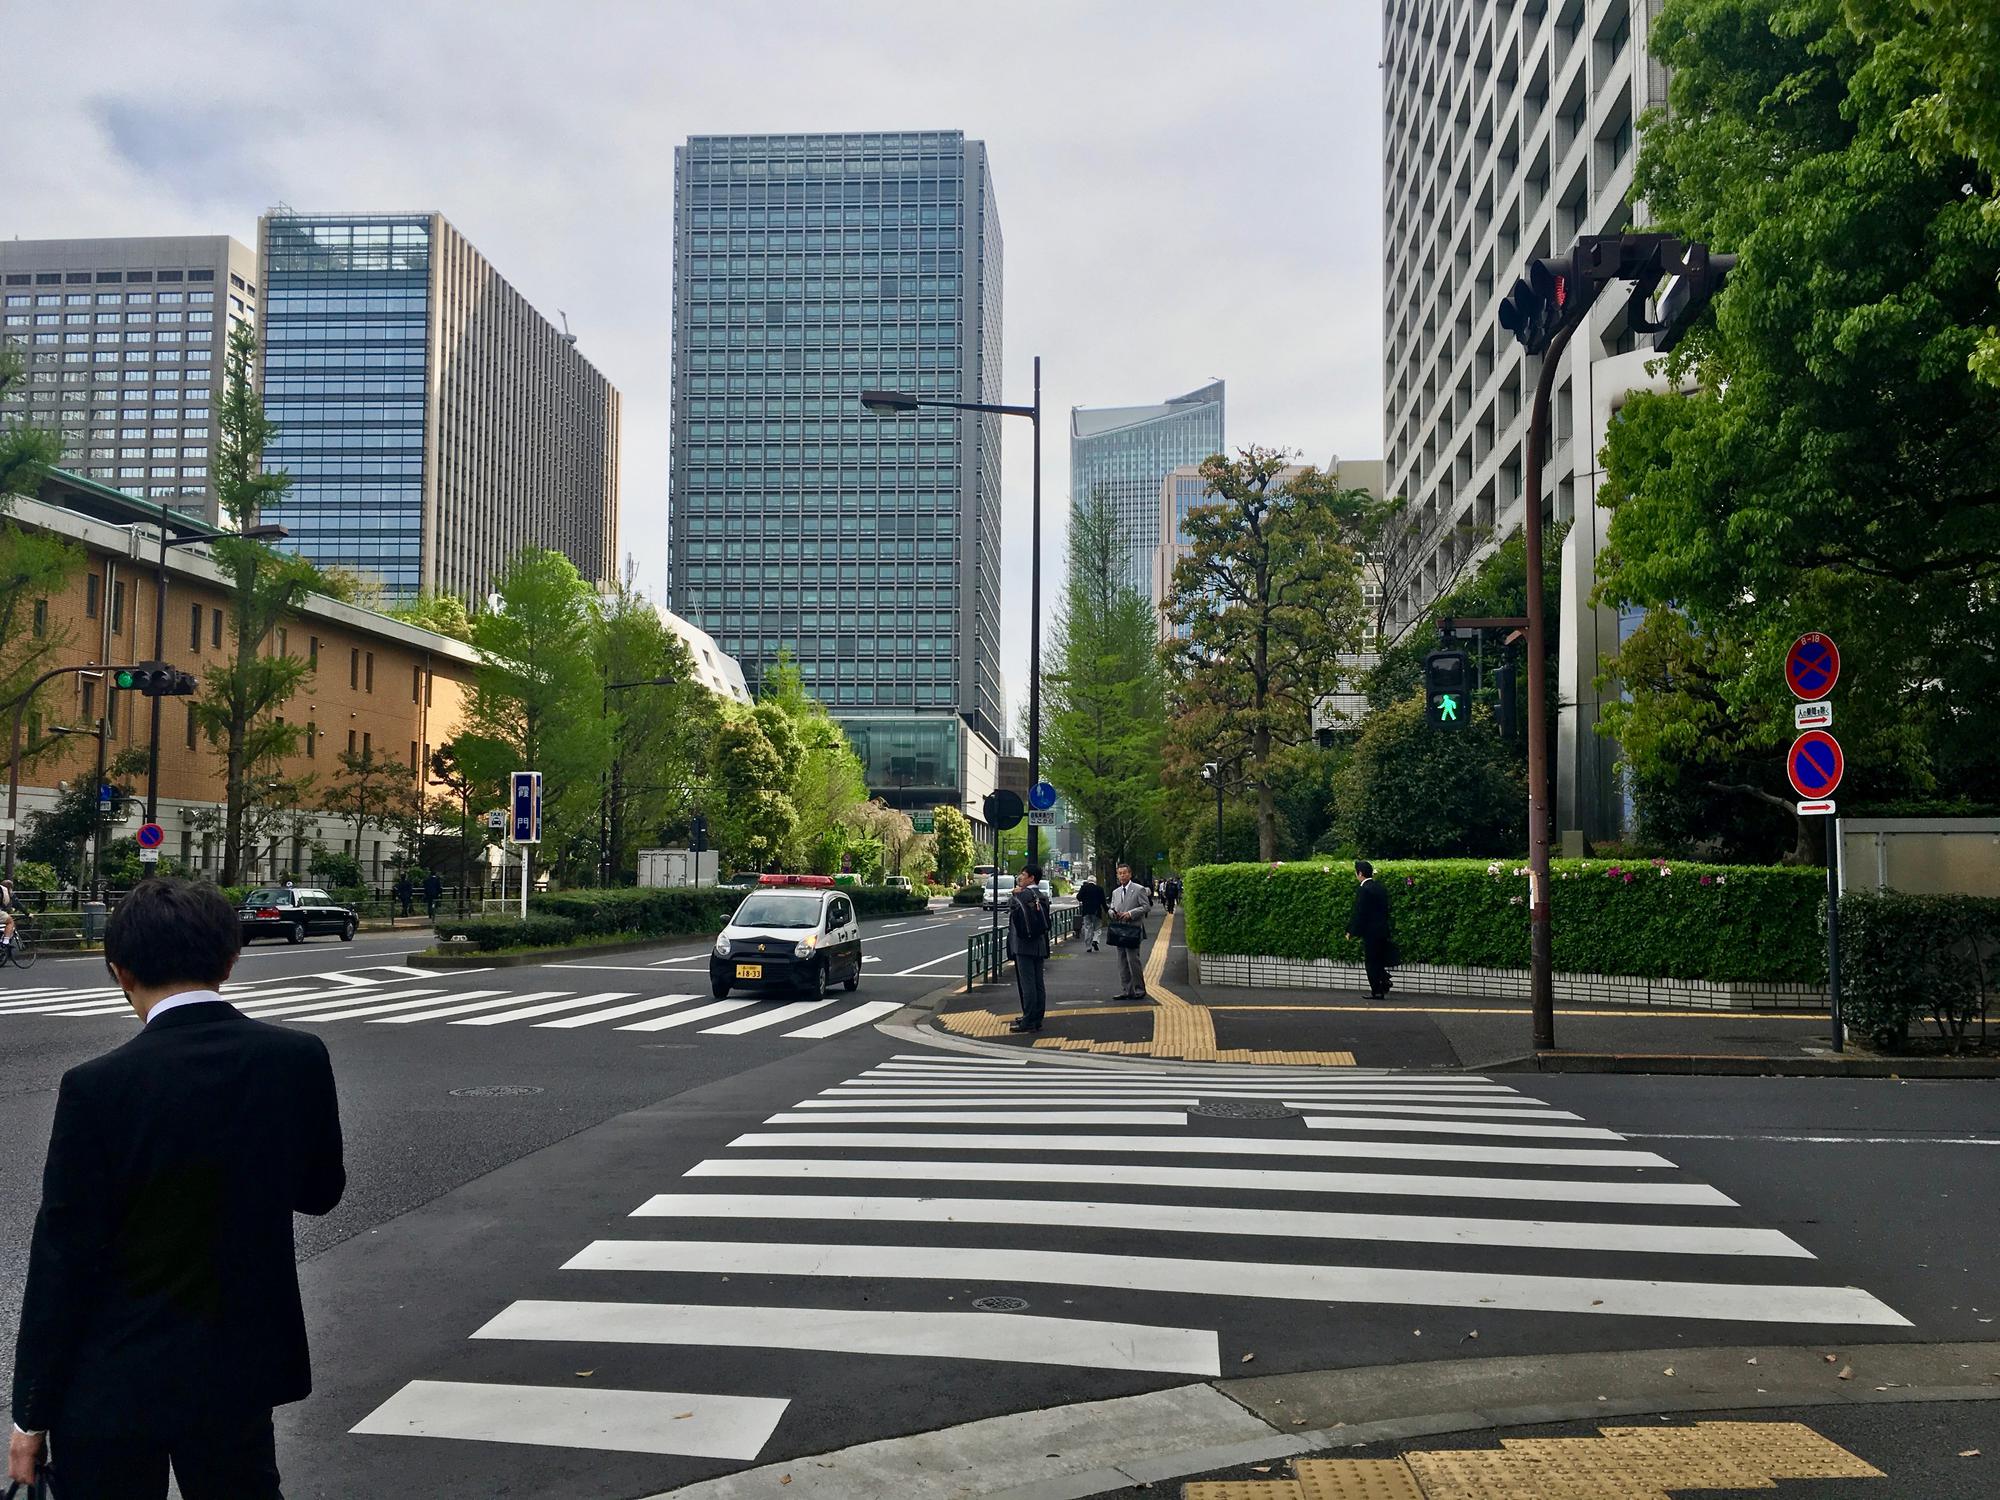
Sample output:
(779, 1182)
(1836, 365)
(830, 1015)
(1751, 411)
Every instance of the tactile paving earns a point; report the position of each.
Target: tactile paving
(1355, 1479)
(1241, 1489)
(1786, 1450)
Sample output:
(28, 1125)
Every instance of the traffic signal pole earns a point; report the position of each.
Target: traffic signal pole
(1541, 966)
(159, 654)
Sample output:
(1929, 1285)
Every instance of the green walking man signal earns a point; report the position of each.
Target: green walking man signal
(1448, 708)
(1447, 676)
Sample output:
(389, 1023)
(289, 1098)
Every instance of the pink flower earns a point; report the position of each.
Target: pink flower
(1628, 878)
(1613, 872)
(1708, 880)
(1409, 880)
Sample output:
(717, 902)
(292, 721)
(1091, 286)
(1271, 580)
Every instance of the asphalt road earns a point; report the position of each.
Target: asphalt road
(797, 1285)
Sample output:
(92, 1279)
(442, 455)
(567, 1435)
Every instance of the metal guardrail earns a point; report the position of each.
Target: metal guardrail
(989, 950)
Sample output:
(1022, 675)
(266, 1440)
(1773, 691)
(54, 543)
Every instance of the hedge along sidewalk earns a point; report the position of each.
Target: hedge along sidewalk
(1652, 920)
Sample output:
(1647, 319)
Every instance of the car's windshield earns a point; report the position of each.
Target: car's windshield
(774, 909)
(269, 896)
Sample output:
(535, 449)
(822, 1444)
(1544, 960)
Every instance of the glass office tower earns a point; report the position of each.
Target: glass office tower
(807, 269)
(432, 421)
(1125, 453)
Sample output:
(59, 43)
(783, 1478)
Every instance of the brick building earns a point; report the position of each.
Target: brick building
(379, 684)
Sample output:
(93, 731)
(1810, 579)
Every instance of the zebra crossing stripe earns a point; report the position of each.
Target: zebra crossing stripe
(1395, 1286)
(869, 1088)
(546, 1008)
(991, 1117)
(687, 1017)
(1089, 1077)
(554, 1416)
(859, 1015)
(328, 1000)
(841, 1099)
(462, 1005)
(1016, 1339)
(1458, 1127)
(1229, 1179)
(1409, 1151)
(616, 1012)
(357, 1005)
(1524, 1110)
(1181, 1218)
(762, 1018)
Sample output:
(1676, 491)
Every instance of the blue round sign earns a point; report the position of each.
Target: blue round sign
(1815, 764)
(1041, 796)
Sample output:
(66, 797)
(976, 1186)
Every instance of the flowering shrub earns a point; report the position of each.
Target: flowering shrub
(1749, 923)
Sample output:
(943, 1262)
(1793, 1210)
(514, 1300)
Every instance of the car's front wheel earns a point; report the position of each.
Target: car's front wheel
(720, 987)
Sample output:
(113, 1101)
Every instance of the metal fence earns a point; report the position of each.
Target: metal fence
(991, 949)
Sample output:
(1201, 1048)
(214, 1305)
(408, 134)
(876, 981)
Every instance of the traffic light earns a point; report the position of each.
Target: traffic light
(1701, 277)
(155, 679)
(1539, 303)
(1447, 689)
(698, 833)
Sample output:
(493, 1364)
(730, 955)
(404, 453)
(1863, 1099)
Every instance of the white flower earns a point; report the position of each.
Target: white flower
(1494, 868)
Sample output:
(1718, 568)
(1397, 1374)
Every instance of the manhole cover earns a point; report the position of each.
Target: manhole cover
(495, 1090)
(1243, 1109)
(1000, 1304)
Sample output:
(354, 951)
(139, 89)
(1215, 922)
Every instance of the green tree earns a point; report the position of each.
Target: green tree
(538, 702)
(1268, 597)
(1410, 790)
(373, 789)
(238, 707)
(755, 821)
(443, 613)
(1104, 692)
(1832, 466)
(823, 774)
(951, 843)
(456, 766)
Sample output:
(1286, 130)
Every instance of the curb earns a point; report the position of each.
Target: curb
(1093, 1447)
(1866, 1065)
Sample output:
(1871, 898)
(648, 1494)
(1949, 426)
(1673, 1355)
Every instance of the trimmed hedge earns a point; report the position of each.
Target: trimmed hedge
(1907, 958)
(880, 901)
(968, 895)
(682, 911)
(489, 933)
(1712, 922)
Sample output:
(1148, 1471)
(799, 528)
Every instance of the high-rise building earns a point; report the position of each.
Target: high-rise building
(807, 269)
(432, 421)
(1125, 453)
(1509, 130)
(124, 341)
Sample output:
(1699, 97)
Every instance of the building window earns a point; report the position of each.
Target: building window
(312, 649)
(284, 642)
(371, 671)
(92, 586)
(312, 739)
(194, 633)
(118, 607)
(89, 699)
(215, 627)
(367, 743)
(350, 741)
(413, 757)
(190, 709)
(416, 684)
(354, 666)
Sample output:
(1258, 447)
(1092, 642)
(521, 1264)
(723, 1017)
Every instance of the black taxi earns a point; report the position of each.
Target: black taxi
(792, 932)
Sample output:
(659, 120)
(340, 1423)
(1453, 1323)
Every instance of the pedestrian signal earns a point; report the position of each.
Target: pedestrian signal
(1447, 689)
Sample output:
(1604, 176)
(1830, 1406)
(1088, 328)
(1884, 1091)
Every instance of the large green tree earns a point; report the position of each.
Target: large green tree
(752, 813)
(1833, 463)
(238, 709)
(823, 775)
(1104, 692)
(952, 844)
(1267, 600)
(1409, 789)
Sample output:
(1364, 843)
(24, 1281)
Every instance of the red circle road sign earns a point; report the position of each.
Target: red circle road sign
(1812, 666)
(1814, 764)
(151, 835)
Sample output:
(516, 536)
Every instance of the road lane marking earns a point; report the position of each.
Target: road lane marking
(434, 1010)
(873, 1089)
(1261, 1222)
(1016, 1339)
(1399, 1286)
(687, 1017)
(618, 1012)
(1458, 1127)
(681, 1423)
(757, 1021)
(1834, 1140)
(990, 1117)
(545, 1008)
(323, 1009)
(1407, 1151)
(363, 1012)
(919, 968)
(859, 1015)
(1230, 1179)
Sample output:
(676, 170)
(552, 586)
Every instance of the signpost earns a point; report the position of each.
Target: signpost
(1003, 811)
(525, 821)
(1814, 766)
(150, 836)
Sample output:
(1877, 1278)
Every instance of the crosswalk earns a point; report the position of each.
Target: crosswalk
(861, 1226)
(397, 995)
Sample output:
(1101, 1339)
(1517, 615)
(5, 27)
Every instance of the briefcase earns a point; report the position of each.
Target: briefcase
(1125, 934)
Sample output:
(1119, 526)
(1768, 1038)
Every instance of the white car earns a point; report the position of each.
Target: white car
(1000, 890)
(897, 883)
(792, 932)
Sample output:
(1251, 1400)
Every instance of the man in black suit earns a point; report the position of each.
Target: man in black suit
(1369, 921)
(162, 1320)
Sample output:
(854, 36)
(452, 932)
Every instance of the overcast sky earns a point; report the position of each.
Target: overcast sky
(1186, 190)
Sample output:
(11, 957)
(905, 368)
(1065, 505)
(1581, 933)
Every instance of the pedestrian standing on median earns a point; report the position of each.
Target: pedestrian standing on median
(1028, 921)
(161, 1321)
(1090, 911)
(1129, 904)
(1369, 921)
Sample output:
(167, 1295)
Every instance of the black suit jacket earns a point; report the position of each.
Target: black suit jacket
(1369, 920)
(162, 1286)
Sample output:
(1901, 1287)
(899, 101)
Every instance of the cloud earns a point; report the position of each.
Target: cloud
(1186, 189)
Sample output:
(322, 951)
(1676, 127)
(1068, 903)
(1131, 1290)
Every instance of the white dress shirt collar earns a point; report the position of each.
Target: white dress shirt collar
(185, 997)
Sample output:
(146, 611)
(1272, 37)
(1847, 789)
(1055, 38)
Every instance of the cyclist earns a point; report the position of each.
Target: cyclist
(6, 913)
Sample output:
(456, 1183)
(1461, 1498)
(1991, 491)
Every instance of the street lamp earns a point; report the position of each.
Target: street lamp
(905, 403)
(607, 801)
(269, 531)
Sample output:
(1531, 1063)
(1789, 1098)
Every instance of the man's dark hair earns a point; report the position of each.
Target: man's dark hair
(170, 931)
(1362, 867)
(1034, 871)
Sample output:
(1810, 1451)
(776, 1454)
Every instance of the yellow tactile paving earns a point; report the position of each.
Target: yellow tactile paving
(1623, 1463)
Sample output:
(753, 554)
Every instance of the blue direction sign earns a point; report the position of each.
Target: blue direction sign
(107, 797)
(524, 822)
(1812, 666)
(1815, 764)
(151, 835)
(1041, 796)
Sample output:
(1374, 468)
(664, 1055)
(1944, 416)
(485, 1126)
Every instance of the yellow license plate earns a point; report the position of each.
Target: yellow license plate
(749, 971)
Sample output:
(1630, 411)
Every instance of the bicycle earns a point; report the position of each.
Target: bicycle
(21, 951)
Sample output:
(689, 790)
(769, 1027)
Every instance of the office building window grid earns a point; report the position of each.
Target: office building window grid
(1126, 453)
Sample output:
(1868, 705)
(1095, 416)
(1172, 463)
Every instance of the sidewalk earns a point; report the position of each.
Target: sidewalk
(1328, 1028)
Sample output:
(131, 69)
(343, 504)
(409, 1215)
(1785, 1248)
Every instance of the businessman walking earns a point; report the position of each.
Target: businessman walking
(162, 1320)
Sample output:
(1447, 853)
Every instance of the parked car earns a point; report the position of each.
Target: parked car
(295, 914)
(897, 883)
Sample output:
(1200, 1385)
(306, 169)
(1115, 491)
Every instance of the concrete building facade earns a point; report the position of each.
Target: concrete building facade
(124, 341)
(807, 269)
(1125, 454)
(1509, 130)
(434, 423)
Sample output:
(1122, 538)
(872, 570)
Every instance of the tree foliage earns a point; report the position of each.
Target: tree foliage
(823, 775)
(1410, 790)
(1268, 597)
(952, 833)
(1104, 692)
(753, 818)
(1833, 467)
(443, 613)
(374, 789)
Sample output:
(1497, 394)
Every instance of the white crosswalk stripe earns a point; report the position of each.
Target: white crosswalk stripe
(1182, 1222)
